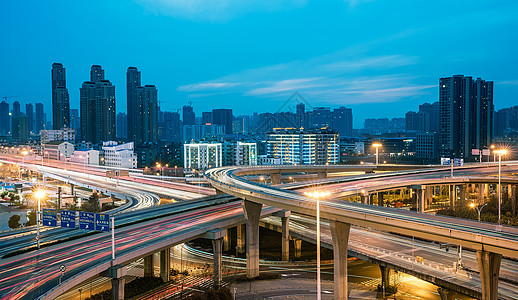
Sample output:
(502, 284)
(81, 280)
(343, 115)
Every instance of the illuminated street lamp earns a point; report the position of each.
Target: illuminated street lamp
(500, 153)
(376, 145)
(39, 194)
(317, 195)
(494, 154)
(472, 205)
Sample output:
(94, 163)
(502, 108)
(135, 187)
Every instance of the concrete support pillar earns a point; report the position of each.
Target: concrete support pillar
(428, 196)
(489, 267)
(240, 237)
(116, 273)
(149, 266)
(445, 293)
(380, 199)
(421, 200)
(276, 178)
(385, 276)
(486, 190)
(365, 197)
(297, 244)
(481, 193)
(118, 285)
(226, 241)
(514, 199)
(165, 264)
(509, 193)
(72, 189)
(452, 196)
(218, 260)
(322, 175)
(462, 194)
(252, 212)
(285, 238)
(44, 180)
(340, 234)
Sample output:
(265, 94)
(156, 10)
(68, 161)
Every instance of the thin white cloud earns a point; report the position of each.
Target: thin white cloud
(216, 10)
(207, 86)
(511, 82)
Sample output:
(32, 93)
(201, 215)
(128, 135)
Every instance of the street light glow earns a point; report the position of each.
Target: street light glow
(501, 152)
(40, 194)
(376, 145)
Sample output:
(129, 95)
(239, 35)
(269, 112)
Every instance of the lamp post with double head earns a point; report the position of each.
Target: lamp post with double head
(377, 145)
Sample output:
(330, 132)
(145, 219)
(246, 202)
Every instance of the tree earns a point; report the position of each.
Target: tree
(92, 204)
(14, 221)
(32, 218)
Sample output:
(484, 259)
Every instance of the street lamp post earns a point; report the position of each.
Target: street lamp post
(472, 205)
(317, 195)
(500, 153)
(494, 154)
(40, 194)
(376, 145)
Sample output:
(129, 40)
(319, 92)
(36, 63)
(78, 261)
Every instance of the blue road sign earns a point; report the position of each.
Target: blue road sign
(68, 219)
(458, 162)
(50, 217)
(102, 222)
(86, 220)
(445, 161)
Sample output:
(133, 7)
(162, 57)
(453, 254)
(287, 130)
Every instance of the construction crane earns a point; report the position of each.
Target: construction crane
(7, 97)
(190, 103)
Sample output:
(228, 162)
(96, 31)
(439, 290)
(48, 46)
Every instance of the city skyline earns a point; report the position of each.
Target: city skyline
(226, 58)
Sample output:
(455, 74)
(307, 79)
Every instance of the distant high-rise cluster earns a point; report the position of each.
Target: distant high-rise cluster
(465, 115)
(60, 98)
(97, 104)
(142, 109)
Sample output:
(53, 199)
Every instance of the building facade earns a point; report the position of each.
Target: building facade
(97, 103)
(60, 98)
(465, 115)
(67, 134)
(119, 155)
(58, 150)
(202, 156)
(293, 146)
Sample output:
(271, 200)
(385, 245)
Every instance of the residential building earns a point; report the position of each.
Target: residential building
(75, 121)
(342, 121)
(29, 112)
(465, 115)
(427, 146)
(97, 101)
(223, 117)
(202, 132)
(60, 98)
(16, 110)
(268, 160)
(86, 157)
(202, 156)
(39, 121)
(122, 126)
(58, 150)
(294, 146)
(321, 117)
(170, 127)
(119, 155)
(188, 118)
(5, 122)
(19, 129)
(66, 134)
(132, 83)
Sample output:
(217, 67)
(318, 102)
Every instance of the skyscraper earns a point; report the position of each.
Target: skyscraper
(342, 121)
(465, 115)
(321, 117)
(147, 118)
(122, 126)
(223, 116)
(39, 122)
(5, 122)
(189, 118)
(60, 100)
(16, 110)
(142, 109)
(75, 121)
(29, 112)
(20, 131)
(97, 102)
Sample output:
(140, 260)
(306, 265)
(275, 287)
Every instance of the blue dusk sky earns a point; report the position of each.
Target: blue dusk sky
(381, 58)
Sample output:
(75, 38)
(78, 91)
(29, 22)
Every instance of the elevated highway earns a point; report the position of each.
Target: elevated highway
(490, 241)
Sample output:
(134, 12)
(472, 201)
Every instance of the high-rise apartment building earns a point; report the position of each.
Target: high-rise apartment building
(29, 112)
(202, 155)
(16, 110)
(321, 117)
(75, 121)
(142, 109)
(342, 121)
(39, 121)
(189, 118)
(223, 117)
(5, 122)
(122, 126)
(20, 130)
(97, 103)
(132, 83)
(60, 98)
(465, 115)
(293, 146)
